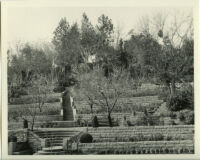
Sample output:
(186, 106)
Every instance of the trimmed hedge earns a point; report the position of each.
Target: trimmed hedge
(86, 138)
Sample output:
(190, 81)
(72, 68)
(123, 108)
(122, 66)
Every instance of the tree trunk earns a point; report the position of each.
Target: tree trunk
(110, 120)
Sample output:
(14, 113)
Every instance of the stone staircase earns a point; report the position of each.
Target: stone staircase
(54, 140)
(56, 150)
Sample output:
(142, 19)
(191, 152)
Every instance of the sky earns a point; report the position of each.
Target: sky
(35, 24)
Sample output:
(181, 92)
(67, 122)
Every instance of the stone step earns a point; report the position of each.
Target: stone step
(55, 141)
(24, 152)
(56, 132)
(61, 136)
(51, 153)
(55, 144)
(53, 149)
(66, 126)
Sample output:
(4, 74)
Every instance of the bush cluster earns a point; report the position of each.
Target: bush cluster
(59, 89)
(186, 116)
(183, 99)
(16, 92)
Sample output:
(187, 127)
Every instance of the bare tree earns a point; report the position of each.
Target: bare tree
(171, 31)
(38, 97)
(144, 25)
(104, 91)
(173, 57)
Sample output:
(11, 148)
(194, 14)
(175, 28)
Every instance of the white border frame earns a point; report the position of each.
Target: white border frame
(102, 3)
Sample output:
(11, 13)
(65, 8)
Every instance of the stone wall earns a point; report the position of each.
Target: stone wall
(138, 133)
(35, 142)
(40, 118)
(144, 147)
(23, 135)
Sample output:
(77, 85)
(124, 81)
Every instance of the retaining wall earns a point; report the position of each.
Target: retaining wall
(143, 147)
(139, 133)
(21, 134)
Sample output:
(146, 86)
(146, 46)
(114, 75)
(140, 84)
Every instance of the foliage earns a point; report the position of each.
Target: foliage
(186, 116)
(142, 55)
(156, 137)
(105, 29)
(12, 138)
(16, 92)
(89, 38)
(175, 65)
(29, 60)
(182, 100)
(59, 89)
(86, 138)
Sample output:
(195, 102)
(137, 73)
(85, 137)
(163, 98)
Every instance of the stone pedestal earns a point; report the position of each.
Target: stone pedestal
(11, 147)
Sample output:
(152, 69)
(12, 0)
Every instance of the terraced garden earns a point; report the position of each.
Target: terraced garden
(145, 133)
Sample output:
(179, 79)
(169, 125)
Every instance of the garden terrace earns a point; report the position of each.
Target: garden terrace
(142, 133)
(144, 90)
(143, 147)
(29, 99)
(48, 108)
(126, 105)
(129, 105)
(45, 124)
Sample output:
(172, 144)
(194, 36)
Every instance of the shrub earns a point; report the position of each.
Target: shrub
(16, 92)
(129, 123)
(12, 138)
(186, 116)
(168, 138)
(141, 120)
(189, 118)
(181, 116)
(86, 138)
(59, 89)
(183, 99)
(158, 137)
(95, 122)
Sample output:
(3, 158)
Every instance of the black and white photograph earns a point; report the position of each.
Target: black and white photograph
(99, 80)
